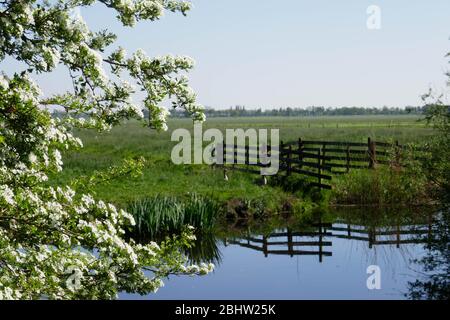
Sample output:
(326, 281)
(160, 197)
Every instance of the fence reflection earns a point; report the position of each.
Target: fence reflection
(318, 241)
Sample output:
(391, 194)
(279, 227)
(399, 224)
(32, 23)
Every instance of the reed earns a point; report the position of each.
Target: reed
(163, 215)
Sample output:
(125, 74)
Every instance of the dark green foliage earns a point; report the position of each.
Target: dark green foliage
(436, 164)
(435, 283)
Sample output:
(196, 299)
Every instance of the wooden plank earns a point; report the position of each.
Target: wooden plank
(341, 236)
(301, 234)
(310, 149)
(313, 155)
(305, 163)
(294, 243)
(343, 165)
(381, 233)
(335, 143)
(301, 243)
(246, 245)
(355, 151)
(354, 159)
(300, 253)
(377, 242)
(344, 150)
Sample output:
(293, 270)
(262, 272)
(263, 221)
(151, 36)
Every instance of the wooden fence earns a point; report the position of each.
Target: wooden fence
(317, 160)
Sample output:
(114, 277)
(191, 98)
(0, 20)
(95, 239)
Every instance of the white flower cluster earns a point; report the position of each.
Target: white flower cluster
(158, 117)
(131, 11)
(4, 83)
(7, 195)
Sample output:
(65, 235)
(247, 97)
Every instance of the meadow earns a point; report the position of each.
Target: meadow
(161, 177)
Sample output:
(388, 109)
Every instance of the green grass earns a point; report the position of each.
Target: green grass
(161, 176)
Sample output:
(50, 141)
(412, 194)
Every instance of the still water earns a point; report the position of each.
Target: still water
(306, 260)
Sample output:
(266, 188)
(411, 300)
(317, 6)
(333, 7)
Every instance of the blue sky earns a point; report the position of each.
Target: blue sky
(297, 53)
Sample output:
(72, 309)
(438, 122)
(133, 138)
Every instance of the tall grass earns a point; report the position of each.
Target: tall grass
(381, 187)
(162, 215)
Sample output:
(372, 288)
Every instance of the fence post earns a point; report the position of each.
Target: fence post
(265, 249)
(280, 153)
(372, 153)
(290, 245)
(289, 164)
(320, 241)
(300, 152)
(224, 160)
(235, 157)
(224, 153)
(324, 146)
(348, 158)
(319, 169)
(371, 235)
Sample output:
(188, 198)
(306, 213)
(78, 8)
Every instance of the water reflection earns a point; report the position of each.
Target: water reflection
(293, 242)
(334, 249)
(206, 250)
(314, 237)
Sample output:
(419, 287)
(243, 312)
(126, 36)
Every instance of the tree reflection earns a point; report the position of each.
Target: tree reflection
(434, 280)
(205, 249)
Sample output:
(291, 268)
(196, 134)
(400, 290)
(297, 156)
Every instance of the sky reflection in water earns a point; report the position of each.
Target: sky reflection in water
(246, 273)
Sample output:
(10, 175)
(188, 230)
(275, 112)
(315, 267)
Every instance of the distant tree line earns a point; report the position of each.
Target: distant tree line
(242, 111)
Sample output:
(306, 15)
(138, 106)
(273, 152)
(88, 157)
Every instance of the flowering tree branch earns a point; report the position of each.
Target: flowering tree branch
(60, 242)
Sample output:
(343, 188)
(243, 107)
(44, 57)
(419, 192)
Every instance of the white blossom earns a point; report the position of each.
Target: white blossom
(7, 194)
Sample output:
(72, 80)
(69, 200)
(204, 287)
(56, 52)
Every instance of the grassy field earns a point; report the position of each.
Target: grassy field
(161, 176)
